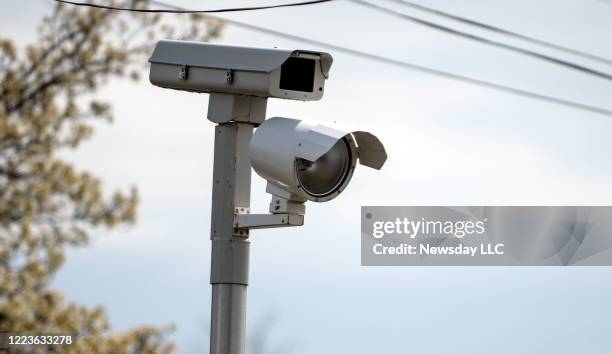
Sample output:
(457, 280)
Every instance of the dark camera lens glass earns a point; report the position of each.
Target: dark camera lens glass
(325, 175)
(297, 74)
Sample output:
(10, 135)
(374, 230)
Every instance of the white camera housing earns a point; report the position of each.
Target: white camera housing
(204, 67)
(307, 161)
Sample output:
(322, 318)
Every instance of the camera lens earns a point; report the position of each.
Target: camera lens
(325, 175)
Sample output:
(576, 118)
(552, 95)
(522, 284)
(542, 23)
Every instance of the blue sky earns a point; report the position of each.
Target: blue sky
(449, 143)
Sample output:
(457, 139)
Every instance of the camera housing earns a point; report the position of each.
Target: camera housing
(261, 72)
(307, 161)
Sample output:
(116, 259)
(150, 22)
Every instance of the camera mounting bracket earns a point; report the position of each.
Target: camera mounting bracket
(244, 220)
(224, 108)
(285, 211)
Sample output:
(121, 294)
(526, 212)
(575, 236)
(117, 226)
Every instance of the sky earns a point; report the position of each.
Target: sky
(449, 143)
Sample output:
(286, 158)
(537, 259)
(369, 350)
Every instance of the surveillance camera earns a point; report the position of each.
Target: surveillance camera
(301, 161)
(305, 161)
(204, 67)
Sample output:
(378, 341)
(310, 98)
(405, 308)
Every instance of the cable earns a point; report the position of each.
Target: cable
(452, 31)
(403, 64)
(237, 9)
(504, 31)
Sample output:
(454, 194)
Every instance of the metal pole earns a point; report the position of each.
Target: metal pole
(230, 247)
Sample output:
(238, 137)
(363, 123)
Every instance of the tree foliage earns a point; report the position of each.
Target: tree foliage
(48, 104)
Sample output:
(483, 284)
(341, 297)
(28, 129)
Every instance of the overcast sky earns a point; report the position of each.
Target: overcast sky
(449, 143)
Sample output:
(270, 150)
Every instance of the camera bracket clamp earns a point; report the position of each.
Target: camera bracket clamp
(245, 220)
(285, 211)
(225, 108)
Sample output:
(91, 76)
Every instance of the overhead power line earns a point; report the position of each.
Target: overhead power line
(386, 60)
(476, 38)
(235, 9)
(403, 64)
(504, 31)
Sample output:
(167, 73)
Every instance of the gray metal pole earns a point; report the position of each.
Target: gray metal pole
(230, 247)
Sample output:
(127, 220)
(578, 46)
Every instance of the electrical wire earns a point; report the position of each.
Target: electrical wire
(399, 63)
(236, 9)
(476, 38)
(504, 31)
(407, 65)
